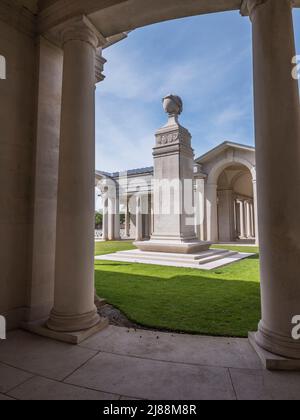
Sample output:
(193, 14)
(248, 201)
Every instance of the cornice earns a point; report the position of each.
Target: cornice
(63, 10)
(17, 16)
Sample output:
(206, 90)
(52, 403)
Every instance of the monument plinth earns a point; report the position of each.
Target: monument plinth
(173, 197)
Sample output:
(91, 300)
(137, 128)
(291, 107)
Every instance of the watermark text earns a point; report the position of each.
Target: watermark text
(2, 328)
(296, 68)
(2, 67)
(296, 329)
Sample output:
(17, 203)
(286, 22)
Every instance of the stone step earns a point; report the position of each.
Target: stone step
(207, 260)
(184, 259)
(172, 256)
(217, 257)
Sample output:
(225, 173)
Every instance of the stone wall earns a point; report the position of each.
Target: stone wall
(17, 132)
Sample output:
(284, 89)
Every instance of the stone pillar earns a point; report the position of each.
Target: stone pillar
(212, 212)
(200, 209)
(255, 209)
(111, 218)
(235, 216)
(247, 219)
(138, 219)
(242, 219)
(74, 308)
(225, 215)
(149, 216)
(127, 220)
(105, 217)
(252, 220)
(117, 235)
(173, 196)
(277, 123)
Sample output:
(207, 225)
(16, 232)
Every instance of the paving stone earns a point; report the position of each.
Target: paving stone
(39, 388)
(42, 356)
(142, 378)
(11, 377)
(5, 398)
(265, 385)
(205, 351)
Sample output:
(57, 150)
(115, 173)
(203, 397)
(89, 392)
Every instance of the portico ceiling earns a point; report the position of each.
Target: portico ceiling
(112, 17)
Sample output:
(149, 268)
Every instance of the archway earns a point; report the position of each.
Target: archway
(235, 205)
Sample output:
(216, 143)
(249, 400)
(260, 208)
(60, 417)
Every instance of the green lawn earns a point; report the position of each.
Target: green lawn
(223, 302)
(109, 247)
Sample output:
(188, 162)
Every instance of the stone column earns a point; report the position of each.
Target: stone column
(138, 219)
(242, 219)
(200, 208)
(225, 215)
(235, 216)
(255, 209)
(212, 212)
(117, 235)
(277, 125)
(111, 218)
(252, 220)
(105, 217)
(74, 308)
(247, 219)
(127, 220)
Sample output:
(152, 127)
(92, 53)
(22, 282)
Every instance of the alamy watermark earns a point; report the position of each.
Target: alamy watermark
(2, 328)
(173, 196)
(2, 67)
(296, 329)
(296, 68)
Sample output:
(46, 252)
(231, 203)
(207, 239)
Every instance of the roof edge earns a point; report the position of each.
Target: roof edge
(222, 146)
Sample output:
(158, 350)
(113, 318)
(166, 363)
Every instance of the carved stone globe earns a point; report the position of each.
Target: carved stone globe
(173, 105)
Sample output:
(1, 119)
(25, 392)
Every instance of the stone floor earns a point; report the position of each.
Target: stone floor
(125, 364)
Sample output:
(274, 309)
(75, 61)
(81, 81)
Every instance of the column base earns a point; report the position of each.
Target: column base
(72, 323)
(76, 337)
(284, 346)
(272, 361)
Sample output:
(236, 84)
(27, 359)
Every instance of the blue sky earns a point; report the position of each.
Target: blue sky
(207, 60)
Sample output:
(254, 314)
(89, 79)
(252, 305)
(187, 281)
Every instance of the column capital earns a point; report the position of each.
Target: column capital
(248, 7)
(82, 29)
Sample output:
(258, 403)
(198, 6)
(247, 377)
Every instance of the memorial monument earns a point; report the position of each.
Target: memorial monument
(174, 241)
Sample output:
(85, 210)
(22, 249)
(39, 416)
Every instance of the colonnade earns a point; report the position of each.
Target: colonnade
(244, 218)
(137, 223)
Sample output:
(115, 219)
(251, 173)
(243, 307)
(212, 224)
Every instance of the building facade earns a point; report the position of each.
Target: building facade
(225, 204)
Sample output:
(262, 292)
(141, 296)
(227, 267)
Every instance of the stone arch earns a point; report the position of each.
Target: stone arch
(217, 169)
(111, 205)
(113, 17)
(212, 217)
